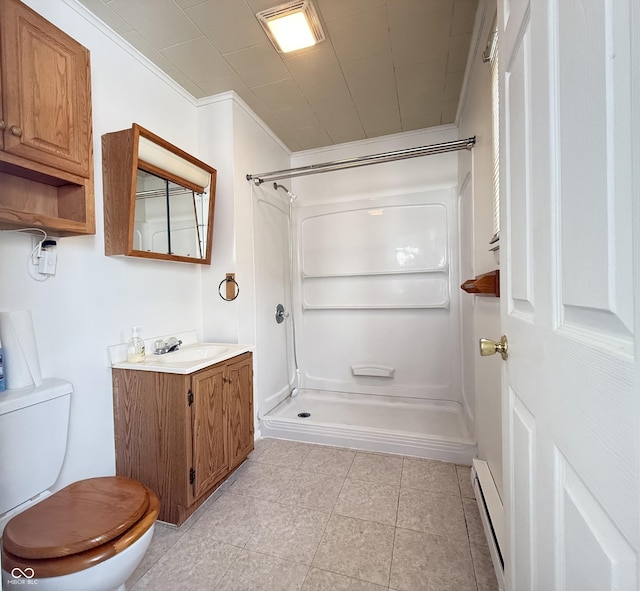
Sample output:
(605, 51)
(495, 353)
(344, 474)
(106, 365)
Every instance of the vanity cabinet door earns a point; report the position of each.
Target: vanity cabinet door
(210, 452)
(152, 432)
(47, 94)
(240, 409)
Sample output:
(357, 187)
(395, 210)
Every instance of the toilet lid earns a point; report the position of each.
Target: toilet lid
(81, 516)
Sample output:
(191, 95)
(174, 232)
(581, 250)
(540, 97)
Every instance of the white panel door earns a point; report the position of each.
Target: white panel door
(571, 402)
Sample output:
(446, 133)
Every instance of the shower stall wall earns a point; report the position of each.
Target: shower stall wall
(377, 324)
(373, 299)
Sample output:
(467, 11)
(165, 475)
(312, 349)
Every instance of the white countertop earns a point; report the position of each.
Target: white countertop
(175, 362)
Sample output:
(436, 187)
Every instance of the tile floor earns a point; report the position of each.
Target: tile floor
(302, 517)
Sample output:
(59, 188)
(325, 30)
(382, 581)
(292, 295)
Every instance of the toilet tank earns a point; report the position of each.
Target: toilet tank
(34, 422)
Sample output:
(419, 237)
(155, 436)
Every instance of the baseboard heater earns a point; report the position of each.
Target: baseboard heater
(491, 514)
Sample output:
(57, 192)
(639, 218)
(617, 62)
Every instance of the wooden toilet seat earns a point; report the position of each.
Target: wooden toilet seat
(80, 526)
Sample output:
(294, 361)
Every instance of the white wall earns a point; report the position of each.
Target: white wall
(93, 300)
(247, 146)
(393, 178)
(481, 315)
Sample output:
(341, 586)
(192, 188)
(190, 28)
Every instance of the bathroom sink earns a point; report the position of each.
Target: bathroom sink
(190, 353)
(192, 356)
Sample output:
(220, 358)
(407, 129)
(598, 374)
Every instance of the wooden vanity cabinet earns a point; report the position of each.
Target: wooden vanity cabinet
(46, 151)
(182, 435)
(240, 420)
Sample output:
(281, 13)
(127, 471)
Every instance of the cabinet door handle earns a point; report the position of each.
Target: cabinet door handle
(15, 130)
(3, 124)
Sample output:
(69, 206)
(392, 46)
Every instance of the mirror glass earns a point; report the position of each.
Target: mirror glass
(169, 218)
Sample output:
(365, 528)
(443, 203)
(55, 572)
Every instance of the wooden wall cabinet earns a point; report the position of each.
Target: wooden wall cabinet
(46, 150)
(158, 199)
(182, 435)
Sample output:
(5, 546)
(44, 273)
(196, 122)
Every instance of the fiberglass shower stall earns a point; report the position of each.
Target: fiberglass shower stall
(372, 321)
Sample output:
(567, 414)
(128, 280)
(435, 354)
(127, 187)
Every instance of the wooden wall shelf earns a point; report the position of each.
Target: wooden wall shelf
(486, 284)
(46, 146)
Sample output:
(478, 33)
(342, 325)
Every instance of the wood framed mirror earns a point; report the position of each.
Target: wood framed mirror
(158, 200)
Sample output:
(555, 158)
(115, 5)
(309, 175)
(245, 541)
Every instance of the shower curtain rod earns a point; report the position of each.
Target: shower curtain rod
(466, 144)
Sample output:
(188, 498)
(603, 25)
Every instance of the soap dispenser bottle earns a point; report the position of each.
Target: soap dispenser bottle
(135, 347)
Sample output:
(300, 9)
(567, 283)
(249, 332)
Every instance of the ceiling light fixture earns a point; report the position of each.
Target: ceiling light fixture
(292, 26)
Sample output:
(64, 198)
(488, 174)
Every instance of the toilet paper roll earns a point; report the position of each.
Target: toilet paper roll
(21, 362)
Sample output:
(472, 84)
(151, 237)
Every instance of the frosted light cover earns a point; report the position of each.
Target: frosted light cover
(156, 155)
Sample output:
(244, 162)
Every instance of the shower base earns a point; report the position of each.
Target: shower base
(423, 428)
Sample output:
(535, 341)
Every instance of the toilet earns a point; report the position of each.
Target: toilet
(93, 533)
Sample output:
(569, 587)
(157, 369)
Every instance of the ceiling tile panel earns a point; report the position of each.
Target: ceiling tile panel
(421, 121)
(405, 13)
(386, 66)
(371, 79)
(342, 124)
(144, 47)
(418, 43)
(380, 123)
(416, 104)
(188, 3)
(453, 85)
(426, 78)
(228, 25)
(313, 136)
(284, 132)
(258, 65)
(332, 10)
(280, 95)
(458, 52)
(260, 5)
(334, 95)
(372, 85)
(314, 70)
(226, 83)
(189, 85)
(296, 117)
(198, 59)
(464, 14)
(360, 36)
(449, 111)
(370, 76)
(161, 22)
(107, 15)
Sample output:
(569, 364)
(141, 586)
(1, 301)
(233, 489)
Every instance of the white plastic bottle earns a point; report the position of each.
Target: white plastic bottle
(135, 347)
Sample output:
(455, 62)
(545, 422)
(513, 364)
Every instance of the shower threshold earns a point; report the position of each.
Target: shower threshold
(423, 428)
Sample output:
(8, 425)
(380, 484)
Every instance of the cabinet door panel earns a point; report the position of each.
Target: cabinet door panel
(210, 454)
(47, 108)
(152, 435)
(240, 410)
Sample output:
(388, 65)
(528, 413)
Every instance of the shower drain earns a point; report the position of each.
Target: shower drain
(304, 415)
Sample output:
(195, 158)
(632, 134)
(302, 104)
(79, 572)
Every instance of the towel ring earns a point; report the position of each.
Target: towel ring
(237, 289)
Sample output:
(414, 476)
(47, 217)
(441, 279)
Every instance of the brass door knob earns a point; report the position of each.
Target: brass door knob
(15, 130)
(489, 347)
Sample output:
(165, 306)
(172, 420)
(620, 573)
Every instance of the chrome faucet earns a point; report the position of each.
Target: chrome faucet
(169, 346)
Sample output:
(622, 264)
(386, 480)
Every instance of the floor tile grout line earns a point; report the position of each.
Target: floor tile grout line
(240, 549)
(273, 502)
(155, 562)
(331, 514)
